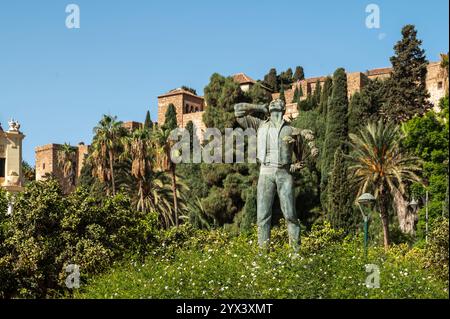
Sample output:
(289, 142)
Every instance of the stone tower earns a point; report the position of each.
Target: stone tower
(11, 175)
(189, 107)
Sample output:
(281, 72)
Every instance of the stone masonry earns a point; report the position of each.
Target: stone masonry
(46, 160)
(190, 107)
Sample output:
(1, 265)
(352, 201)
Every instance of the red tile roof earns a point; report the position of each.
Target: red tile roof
(179, 91)
(242, 78)
(379, 71)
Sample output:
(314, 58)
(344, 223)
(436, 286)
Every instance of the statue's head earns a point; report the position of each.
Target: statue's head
(277, 105)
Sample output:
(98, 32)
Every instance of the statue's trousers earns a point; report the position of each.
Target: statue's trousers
(271, 180)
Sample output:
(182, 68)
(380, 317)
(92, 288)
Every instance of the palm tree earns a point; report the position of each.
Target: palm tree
(164, 163)
(379, 165)
(29, 172)
(66, 158)
(105, 145)
(138, 147)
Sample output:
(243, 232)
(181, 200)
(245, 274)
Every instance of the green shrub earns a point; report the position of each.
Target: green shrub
(49, 231)
(215, 265)
(437, 249)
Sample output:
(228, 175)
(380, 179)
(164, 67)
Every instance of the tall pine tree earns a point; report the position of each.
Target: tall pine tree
(282, 96)
(407, 94)
(326, 93)
(365, 106)
(336, 134)
(148, 121)
(170, 122)
(295, 98)
(340, 207)
(271, 79)
(299, 74)
(317, 94)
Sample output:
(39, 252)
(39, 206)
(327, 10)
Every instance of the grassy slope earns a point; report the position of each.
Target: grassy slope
(216, 266)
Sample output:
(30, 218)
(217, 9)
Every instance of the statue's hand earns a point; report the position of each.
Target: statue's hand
(296, 167)
(242, 109)
(263, 108)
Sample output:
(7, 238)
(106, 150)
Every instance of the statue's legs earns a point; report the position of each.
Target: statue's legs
(266, 193)
(285, 187)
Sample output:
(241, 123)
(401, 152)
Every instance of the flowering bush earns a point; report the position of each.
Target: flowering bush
(211, 264)
(49, 231)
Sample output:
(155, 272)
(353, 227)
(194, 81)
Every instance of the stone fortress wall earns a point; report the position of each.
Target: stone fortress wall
(46, 160)
(191, 107)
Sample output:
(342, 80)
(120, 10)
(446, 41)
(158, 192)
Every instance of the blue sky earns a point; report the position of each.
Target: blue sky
(58, 82)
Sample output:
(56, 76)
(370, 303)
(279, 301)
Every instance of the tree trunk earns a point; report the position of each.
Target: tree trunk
(111, 167)
(174, 191)
(141, 193)
(406, 218)
(385, 221)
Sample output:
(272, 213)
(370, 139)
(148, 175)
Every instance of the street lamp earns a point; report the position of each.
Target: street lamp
(366, 200)
(414, 204)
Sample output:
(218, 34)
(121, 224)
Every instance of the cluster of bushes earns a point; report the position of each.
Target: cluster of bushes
(49, 231)
(212, 264)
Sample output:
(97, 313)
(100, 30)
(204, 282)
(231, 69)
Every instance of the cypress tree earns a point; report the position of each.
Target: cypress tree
(282, 97)
(299, 74)
(326, 93)
(249, 217)
(336, 134)
(286, 78)
(170, 122)
(364, 106)
(340, 199)
(190, 128)
(317, 94)
(148, 121)
(295, 98)
(271, 79)
(407, 94)
(300, 92)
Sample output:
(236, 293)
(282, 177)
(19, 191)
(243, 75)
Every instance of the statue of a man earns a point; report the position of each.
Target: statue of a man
(274, 152)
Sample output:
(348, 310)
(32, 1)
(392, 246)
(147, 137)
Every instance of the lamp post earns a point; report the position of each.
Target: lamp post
(414, 206)
(365, 200)
(426, 216)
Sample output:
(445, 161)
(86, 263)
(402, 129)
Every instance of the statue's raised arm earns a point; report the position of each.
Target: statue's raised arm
(242, 111)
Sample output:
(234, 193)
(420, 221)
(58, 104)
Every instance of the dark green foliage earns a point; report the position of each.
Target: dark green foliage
(437, 248)
(300, 92)
(193, 137)
(336, 134)
(170, 122)
(307, 188)
(282, 96)
(148, 121)
(285, 79)
(365, 106)
(296, 97)
(221, 94)
(312, 101)
(299, 74)
(407, 94)
(259, 95)
(340, 195)
(428, 138)
(271, 79)
(189, 89)
(326, 93)
(249, 214)
(317, 94)
(42, 239)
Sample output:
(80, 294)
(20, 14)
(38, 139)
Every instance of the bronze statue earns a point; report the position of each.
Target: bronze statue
(276, 142)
